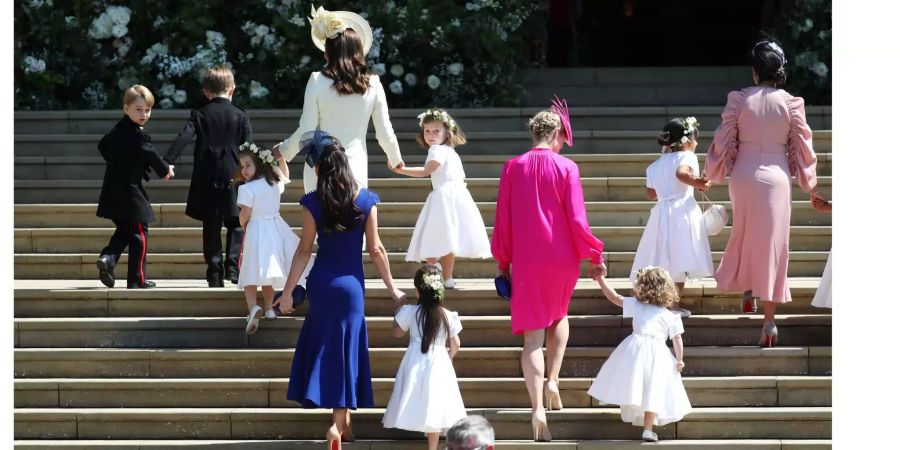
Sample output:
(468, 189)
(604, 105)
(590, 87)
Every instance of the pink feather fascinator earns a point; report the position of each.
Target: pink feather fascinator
(562, 110)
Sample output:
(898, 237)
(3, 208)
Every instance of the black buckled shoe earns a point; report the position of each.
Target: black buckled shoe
(107, 276)
(232, 275)
(144, 285)
(215, 281)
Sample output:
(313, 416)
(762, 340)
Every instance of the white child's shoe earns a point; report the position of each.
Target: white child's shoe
(270, 315)
(253, 320)
(649, 436)
(450, 283)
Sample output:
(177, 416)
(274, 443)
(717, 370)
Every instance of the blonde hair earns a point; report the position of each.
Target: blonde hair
(653, 285)
(218, 80)
(543, 125)
(455, 136)
(137, 91)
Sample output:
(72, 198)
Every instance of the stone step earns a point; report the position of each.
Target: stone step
(284, 444)
(395, 239)
(479, 362)
(476, 166)
(398, 189)
(291, 423)
(476, 392)
(475, 297)
(284, 121)
(480, 142)
(391, 214)
(191, 265)
(478, 331)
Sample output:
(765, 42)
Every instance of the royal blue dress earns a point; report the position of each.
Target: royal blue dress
(331, 363)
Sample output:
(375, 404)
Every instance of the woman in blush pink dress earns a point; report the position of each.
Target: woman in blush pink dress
(541, 231)
(763, 140)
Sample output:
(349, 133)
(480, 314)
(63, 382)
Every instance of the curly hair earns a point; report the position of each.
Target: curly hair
(654, 286)
(543, 125)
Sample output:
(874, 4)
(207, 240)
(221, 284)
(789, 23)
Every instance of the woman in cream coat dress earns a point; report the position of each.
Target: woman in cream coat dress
(343, 109)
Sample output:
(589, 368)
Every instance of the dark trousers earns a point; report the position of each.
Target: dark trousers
(134, 236)
(212, 245)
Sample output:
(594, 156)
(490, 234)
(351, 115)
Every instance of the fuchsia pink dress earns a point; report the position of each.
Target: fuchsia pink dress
(762, 141)
(541, 228)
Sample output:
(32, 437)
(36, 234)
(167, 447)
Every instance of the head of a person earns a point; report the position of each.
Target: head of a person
(345, 63)
(679, 134)
(256, 163)
(429, 283)
(546, 130)
(471, 433)
(437, 127)
(218, 81)
(137, 103)
(653, 285)
(335, 187)
(768, 61)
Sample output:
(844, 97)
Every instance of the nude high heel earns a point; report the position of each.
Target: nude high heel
(539, 425)
(334, 438)
(551, 393)
(769, 337)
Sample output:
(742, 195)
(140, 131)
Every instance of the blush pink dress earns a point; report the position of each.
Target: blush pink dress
(541, 229)
(763, 140)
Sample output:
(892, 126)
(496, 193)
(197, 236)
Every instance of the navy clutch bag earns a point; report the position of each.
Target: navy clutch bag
(299, 295)
(504, 288)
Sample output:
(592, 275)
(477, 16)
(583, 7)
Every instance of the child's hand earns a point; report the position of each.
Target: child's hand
(398, 167)
(598, 271)
(703, 184)
(276, 152)
(399, 298)
(170, 174)
(679, 365)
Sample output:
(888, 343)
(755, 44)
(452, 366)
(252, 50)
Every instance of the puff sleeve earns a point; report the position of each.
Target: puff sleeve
(801, 157)
(723, 149)
(405, 316)
(676, 327)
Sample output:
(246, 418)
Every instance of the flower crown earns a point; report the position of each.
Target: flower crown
(773, 47)
(434, 282)
(265, 155)
(438, 115)
(325, 24)
(690, 126)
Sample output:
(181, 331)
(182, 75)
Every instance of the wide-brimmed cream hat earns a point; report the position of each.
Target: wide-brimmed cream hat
(328, 24)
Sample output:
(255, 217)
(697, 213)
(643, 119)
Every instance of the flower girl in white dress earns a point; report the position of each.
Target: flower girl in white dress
(269, 242)
(675, 237)
(450, 224)
(641, 376)
(426, 395)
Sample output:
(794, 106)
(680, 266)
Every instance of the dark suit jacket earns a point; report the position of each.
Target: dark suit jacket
(128, 153)
(220, 128)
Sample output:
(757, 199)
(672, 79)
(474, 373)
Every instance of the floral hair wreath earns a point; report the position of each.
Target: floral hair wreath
(438, 115)
(773, 47)
(434, 282)
(265, 155)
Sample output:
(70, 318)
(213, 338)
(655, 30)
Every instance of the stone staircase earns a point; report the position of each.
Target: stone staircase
(170, 368)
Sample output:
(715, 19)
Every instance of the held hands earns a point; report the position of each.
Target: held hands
(398, 169)
(170, 174)
(285, 307)
(702, 184)
(679, 365)
(819, 202)
(276, 152)
(598, 271)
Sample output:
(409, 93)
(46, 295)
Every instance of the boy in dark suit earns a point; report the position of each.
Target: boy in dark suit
(220, 128)
(129, 153)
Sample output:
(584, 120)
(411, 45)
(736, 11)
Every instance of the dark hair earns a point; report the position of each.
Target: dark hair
(675, 129)
(336, 189)
(346, 64)
(262, 169)
(431, 316)
(768, 61)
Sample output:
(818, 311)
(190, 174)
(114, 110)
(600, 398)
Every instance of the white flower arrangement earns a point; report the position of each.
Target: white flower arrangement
(433, 82)
(180, 96)
(378, 69)
(34, 65)
(396, 87)
(434, 282)
(820, 69)
(166, 103)
(411, 79)
(396, 70)
(167, 90)
(438, 115)
(214, 39)
(257, 90)
(265, 155)
(455, 68)
(111, 23)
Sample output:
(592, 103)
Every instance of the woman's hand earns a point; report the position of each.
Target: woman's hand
(679, 365)
(399, 298)
(703, 184)
(287, 306)
(819, 202)
(276, 152)
(598, 271)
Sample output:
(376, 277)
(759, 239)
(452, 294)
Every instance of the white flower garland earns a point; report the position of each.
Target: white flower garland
(266, 156)
(436, 114)
(434, 282)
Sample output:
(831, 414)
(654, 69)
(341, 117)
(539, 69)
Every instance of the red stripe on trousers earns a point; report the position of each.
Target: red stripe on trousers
(143, 252)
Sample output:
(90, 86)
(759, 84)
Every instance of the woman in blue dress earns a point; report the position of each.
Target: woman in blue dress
(331, 363)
